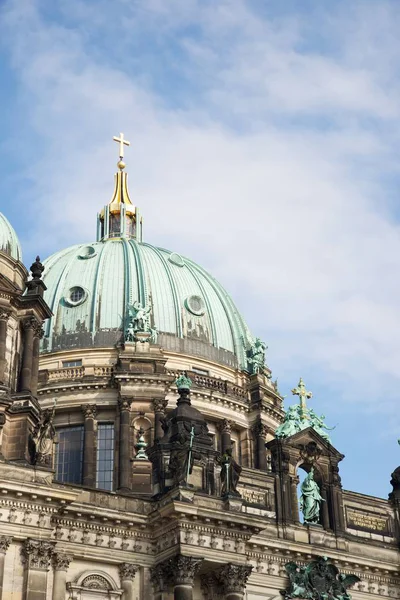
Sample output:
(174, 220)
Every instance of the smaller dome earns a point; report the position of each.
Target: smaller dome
(9, 241)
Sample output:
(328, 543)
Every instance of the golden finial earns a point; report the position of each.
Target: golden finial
(122, 142)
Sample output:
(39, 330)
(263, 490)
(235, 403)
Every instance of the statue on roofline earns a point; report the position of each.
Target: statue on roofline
(291, 424)
(256, 357)
(299, 417)
(138, 321)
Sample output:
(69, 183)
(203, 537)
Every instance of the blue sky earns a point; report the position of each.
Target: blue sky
(265, 143)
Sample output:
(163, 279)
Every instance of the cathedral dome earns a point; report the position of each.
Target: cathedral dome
(9, 241)
(90, 288)
(120, 289)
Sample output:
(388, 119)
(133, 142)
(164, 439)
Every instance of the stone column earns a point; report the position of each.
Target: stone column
(183, 570)
(325, 509)
(177, 573)
(89, 448)
(127, 572)
(233, 579)
(225, 428)
(61, 563)
(124, 444)
(160, 579)
(28, 325)
(38, 334)
(294, 483)
(159, 404)
(5, 541)
(260, 434)
(4, 316)
(37, 555)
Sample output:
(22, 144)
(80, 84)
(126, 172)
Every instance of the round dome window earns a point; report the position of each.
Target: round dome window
(77, 295)
(87, 252)
(195, 305)
(176, 259)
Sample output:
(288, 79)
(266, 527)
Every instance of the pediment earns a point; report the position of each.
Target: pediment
(303, 438)
(8, 286)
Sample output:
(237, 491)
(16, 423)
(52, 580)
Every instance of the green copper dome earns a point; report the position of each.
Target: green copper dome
(90, 288)
(9, 241)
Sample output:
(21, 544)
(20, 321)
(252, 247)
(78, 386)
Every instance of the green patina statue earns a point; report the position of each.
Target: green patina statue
(319, 580)
(183, 382)
(292, 423)
(299, 417)
(256, 357)
(138, 321)
(310, 499)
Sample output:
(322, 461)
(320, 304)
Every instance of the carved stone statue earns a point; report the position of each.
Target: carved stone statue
(310, 500)
(319, 580)
(182, 456)
(138, 321)
(256, 356)
(42, 438)
(230, 473)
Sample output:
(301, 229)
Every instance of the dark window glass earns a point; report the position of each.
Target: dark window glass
(69, 454)
(105, 456)
(130, 226)
(72, 363)
(200, 371)
(77, 293)
(115, 225)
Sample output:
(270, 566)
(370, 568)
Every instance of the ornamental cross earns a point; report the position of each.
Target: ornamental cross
(303, 394)
(122, 142)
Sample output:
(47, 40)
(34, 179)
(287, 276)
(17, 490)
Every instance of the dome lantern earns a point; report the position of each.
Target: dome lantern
(120, 218)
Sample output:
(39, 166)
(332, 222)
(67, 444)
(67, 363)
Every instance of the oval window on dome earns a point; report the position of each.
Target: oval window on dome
(87, 252)
(195, 305)
(176, 259)
(76, 296)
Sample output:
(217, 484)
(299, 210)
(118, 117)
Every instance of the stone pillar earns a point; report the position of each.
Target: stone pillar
(38, 334)
(61, 563)
(177, 573)
(325, 509)
(260, 434)
(233, 580)
(160, 579)
(294, 483)
(127, 572)
(159, 404)
(183, 570)
(89, 449)
(5, 541)
(37, 555)
(124, 444)
(29, 326)
(4, 316)
(225, 428)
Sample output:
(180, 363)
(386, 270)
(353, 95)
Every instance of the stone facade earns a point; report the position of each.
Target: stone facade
(162, 529)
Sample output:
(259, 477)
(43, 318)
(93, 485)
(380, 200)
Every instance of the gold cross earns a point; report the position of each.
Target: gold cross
(303, 394)
(122, 142)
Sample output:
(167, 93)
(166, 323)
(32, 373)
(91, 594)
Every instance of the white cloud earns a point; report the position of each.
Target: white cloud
(287, 210)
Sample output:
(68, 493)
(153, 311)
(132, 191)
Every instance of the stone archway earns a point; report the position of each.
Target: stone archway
(94, 585)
